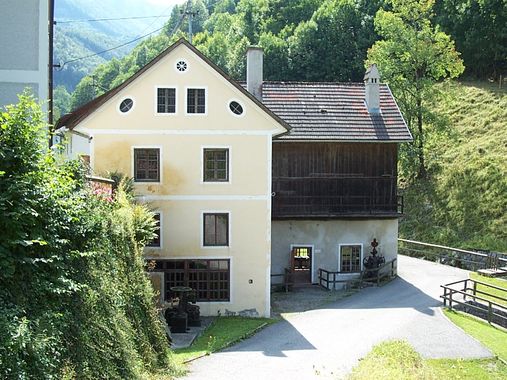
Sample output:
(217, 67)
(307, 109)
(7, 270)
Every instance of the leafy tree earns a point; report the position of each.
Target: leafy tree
(412, 55)
(337, 37)
(85, 91)
(61, 100)
(480, 30)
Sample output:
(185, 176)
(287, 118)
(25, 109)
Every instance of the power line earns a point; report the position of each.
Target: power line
(61, 66)
(107, 19)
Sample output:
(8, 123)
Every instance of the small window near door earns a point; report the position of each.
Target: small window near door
(350, 258)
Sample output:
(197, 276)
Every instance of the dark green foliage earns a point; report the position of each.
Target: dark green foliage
(74, 297)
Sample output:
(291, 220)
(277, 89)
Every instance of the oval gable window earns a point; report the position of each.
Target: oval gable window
(236, 108)
(126, 105)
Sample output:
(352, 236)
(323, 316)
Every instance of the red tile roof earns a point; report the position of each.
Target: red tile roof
(334, 112)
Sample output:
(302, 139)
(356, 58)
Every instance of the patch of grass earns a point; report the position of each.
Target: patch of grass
(398, 360)
(493, 338)
(492, 281)
(223, 332)
(468, 369)
(392, 360)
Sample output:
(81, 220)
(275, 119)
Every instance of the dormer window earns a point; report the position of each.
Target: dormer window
(196, 101)
(166, 100)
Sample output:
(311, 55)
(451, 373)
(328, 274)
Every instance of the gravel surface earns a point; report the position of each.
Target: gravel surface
(327, 342)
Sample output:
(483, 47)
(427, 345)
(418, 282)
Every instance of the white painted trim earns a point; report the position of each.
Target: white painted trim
(229, 165)
(92, 154)
(204, 197)
(269, 153)
(205, 88)
(132, 174)
(155, 102)
(312, 246)
(161, 231)
(184, 60)
(240, 103)
(194, 132)
(231, 276)
(229, 227)
(340, 252)
(123, 114)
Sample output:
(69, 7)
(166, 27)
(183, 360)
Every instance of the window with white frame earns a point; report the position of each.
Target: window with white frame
(216, 164)
(350, 258)
(216, 230)
(146, 164)
(166, 100)
(196, 100)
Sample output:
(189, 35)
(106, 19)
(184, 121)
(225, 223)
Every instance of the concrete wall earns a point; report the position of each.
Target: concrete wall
(325, 236)
(181, 196)
(25, 49)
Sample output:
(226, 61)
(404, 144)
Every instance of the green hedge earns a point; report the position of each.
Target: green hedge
(75, 301)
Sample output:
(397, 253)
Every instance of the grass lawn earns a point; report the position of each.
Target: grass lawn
(493, 338)
(492, 281)
(223, 332)
(398, 360)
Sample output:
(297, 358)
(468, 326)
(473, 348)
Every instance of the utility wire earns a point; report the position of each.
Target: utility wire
(107, 19)
(61, 66)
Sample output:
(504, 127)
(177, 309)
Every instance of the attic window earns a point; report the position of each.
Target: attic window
(236, 108)
(126, 105)
(181, 66)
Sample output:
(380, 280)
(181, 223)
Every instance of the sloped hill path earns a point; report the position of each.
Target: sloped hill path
(328, 342)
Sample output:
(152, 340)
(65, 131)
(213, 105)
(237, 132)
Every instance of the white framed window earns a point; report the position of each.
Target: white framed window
(126, 105)
(215, 229)
(236, 108)
(216, 164)
(165, 100)
(147, 164)
(350, 258)
(196, 101)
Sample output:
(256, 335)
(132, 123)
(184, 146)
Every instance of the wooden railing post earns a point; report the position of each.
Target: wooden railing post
(490, 312)
(475, 289)
(465, 289)
(450, 298)
(445, 296)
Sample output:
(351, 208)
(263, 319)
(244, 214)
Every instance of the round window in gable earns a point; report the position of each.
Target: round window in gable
(126, 105)
(181, 66)
(236, 108)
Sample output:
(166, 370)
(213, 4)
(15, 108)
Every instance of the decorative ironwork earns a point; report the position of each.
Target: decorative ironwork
(373, 261)
(185, 313)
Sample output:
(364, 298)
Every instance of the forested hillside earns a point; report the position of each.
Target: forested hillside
(463, 202)
(417, 44)
(76, 36)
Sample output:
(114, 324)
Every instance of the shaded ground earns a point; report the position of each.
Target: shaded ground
(327, 342)
(303, 299)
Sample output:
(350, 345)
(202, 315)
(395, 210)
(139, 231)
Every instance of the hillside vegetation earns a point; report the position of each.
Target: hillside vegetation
(463, 203)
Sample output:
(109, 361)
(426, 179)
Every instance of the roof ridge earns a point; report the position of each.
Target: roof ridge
(314, 83)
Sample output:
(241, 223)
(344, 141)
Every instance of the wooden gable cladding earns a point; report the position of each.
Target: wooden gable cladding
(334, 179)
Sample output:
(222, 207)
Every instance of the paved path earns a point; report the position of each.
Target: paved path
(327, 343)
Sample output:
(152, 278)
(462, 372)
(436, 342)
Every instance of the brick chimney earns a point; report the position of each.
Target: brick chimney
(254, 75)
(372, 89)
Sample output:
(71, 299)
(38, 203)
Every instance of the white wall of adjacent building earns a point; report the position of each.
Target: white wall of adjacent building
(24, 42)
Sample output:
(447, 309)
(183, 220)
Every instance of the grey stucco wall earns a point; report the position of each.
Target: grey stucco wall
(326, 235)
(9, 91)
(19, 37)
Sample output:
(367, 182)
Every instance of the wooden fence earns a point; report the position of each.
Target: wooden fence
(461, 258)
(483, 301)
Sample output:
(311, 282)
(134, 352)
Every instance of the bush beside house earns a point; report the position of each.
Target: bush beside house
(74, 298)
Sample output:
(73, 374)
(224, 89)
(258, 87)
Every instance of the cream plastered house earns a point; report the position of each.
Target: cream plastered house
(280, 180)
(199, 148)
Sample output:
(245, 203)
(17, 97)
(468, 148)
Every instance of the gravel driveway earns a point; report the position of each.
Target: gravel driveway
(327, 342)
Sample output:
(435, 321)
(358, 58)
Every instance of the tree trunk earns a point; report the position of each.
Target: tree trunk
(420, 143)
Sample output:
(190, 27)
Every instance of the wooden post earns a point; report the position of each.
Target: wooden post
(445, 296)
(490, 312)
(475, 289)
(465, 289)
(450, 298)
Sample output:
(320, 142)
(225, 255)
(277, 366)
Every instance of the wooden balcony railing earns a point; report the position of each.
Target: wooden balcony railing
(334, 196)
